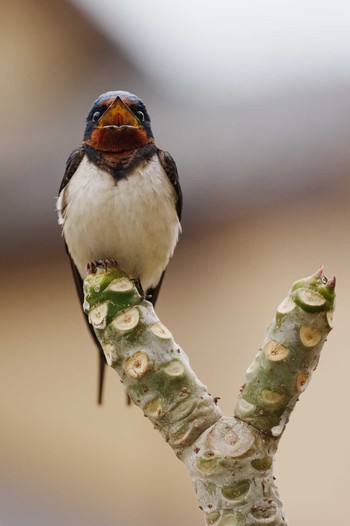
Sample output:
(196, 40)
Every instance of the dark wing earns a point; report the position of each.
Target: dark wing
(152, 294)
(101, 357)
(73, 162)
(170, 169)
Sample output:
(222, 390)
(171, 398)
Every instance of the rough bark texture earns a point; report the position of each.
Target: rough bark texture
(229, 458)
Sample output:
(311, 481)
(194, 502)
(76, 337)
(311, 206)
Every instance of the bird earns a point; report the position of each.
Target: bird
(120, 199)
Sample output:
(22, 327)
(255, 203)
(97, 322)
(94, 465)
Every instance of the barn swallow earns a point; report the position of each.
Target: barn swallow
(120, 198)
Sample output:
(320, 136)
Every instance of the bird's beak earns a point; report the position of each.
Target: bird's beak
(118, 115)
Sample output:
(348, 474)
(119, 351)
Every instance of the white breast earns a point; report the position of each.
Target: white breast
(133, 221)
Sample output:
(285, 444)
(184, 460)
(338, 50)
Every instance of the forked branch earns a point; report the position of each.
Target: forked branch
(229, 458)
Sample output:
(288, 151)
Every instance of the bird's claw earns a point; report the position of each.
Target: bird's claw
(92, 266)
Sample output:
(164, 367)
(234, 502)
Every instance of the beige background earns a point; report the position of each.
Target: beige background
(63, 459)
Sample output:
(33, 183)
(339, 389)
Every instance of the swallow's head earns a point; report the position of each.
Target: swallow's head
(118, 121)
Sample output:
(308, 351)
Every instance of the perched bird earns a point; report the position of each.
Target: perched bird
(120, 198)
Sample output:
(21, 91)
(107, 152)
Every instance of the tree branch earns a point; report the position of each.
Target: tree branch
(229, 458)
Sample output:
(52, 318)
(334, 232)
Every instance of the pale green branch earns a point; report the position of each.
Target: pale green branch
(229, 458)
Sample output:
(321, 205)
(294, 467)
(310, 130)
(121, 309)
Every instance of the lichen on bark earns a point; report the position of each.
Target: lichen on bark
(230, 459)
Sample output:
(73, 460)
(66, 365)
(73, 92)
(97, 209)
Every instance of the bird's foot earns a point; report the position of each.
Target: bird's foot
(92, 266)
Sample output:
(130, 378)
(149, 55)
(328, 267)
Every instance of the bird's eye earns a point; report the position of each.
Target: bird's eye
(140, 116)
(96, 116)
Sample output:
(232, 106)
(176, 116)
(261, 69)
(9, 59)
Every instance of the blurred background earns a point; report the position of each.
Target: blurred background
(252, 99)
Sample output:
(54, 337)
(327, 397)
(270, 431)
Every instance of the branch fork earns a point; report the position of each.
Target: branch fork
(230, 458)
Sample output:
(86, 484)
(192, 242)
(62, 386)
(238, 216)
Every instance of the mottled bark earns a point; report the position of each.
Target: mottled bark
(229, 458)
